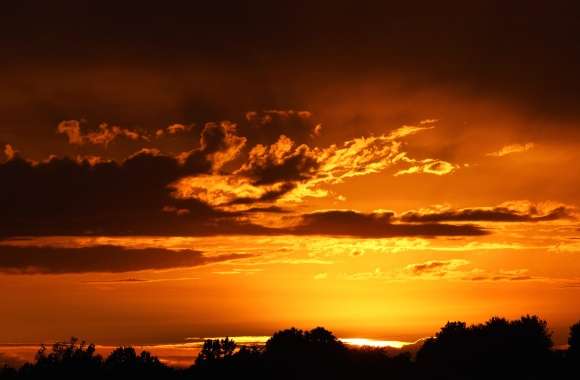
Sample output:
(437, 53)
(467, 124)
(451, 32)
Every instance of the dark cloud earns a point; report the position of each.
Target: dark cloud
(137, 196)
(219, 144)
(494, 214)
(268, 209)
(374, 225)
(267, 197)
(62, 196)
(120, 281)
(92, 196)
(106, 259)
(528, 57)
(265, 126)
(435, 267)
(280, 162)
(104, 135)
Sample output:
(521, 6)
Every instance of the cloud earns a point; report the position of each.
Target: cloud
(173, 129)
(95, 196)
(101, 259)
(354, 246)
(504, 275)
(321, 276)
(453, 269)
(192, 194)
(104, 135)
(306, 167)
(219, 144)
(9, 152)
(511, 149)
(375, 274)
(63, 196)
(427, 166)
(216, 187)
(285, 172)
(265, 127)
(517, 211)
(363, 155)
(450, 270)
(280, 162)
(239, 271)
(438, 268)
(565, 247)
(374, 225)
(136, 281)
(226, 190)
(368, 54)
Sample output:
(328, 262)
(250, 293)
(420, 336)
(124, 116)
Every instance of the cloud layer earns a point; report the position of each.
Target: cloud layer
(102, 259)
(234, 178)
(380, 224)
(509, 212)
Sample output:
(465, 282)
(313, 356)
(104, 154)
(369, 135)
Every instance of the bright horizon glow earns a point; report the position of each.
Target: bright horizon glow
(260, 340)
(362, 342)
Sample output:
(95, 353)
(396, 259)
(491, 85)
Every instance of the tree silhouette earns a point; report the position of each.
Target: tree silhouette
(295, 353)
(574, 339)
(65, 360)
(215, 350)
(497, 349)
(124, 362)
(217, 358)
(573, 353)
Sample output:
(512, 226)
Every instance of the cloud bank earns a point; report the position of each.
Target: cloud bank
(102, 259)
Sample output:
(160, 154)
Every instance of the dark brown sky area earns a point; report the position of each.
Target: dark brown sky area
(145, 65)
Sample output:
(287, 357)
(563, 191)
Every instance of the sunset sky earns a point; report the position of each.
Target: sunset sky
(194, 170)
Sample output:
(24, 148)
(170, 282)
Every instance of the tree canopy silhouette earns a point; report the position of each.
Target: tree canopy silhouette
(518, 349)
(497, 349)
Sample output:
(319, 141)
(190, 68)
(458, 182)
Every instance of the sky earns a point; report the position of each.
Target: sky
(194, 169)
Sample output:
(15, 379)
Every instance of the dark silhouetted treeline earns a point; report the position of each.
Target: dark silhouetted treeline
(496, 349)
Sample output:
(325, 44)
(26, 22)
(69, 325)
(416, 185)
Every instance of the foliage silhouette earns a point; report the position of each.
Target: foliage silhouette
(573, 354)
(124, 362)
(293, 353)
(65, 360)
(215, 350)
(497, 349)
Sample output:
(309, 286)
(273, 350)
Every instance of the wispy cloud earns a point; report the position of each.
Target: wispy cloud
(450, 270)
(511, 149)
(512, 211)
(104, 135)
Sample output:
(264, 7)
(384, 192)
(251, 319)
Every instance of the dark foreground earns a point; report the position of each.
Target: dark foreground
(496, 349)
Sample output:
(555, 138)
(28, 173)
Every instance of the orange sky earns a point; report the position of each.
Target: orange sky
(157, 188)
